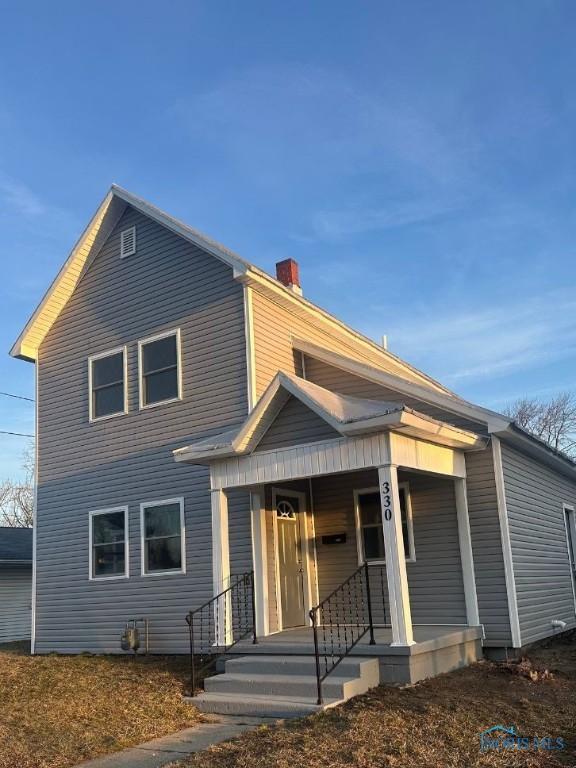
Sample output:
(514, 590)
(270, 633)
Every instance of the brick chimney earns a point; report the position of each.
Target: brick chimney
(288, 274)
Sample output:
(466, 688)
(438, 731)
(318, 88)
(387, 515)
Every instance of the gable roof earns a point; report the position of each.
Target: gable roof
(15, 545)
(347, 415)
(98, 230)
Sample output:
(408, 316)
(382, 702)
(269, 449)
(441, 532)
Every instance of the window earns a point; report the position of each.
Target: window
(127, 242)
(159, 361)
(570, 523)
(369, 524)
(107, 383)
(162, 531)
(109, 543)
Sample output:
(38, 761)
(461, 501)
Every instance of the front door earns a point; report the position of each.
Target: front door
(290, 560)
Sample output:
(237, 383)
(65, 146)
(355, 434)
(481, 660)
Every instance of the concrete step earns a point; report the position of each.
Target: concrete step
(348, 667)
(256, 705)
(303, 686)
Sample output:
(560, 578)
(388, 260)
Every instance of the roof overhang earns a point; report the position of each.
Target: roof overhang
(537, 449)
(346, 415)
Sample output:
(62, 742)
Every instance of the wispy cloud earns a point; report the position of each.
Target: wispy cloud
(462, 346)
(19, 198)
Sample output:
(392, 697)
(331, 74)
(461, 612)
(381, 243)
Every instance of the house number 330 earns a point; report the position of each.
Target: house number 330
(386, 501)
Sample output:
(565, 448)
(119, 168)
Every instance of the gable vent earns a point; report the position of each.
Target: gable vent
(127, 242)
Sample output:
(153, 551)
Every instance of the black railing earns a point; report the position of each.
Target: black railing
(220, 623)
(342, 619)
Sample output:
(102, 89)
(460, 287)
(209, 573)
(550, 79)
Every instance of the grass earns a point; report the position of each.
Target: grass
(56, 711)
(435, 724)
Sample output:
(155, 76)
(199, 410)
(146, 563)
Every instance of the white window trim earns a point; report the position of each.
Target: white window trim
(123, 254)
(115, 577)
(148, 340)
(359, 540)
(147, 505)
(570, 519)
(99, 356)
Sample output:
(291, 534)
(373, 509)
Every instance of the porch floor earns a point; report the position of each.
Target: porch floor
(300, 641)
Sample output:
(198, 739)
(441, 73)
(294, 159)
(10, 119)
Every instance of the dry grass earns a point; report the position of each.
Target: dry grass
(58, 710)
(435, 724)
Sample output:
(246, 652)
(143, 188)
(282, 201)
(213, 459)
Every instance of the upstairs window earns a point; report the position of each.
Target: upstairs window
(107, 383)
(159, 359)
(369, 524)
(109, 543)
(127, 242)
(162, 530)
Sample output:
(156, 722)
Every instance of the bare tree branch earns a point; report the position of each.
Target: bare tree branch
(17, 498)
(553, 421)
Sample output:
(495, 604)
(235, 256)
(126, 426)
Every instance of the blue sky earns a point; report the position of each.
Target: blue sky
(417, 158)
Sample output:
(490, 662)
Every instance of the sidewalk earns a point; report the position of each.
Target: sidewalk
(167, 749)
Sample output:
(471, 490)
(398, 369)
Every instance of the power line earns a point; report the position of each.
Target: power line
(16, 434)
(17, 397)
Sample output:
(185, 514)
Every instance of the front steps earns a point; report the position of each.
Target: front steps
(283, 686)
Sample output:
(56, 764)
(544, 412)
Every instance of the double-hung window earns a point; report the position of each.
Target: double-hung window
(108, 536)
(163, 539)
(369, 524)
(107, 383)
(159, 361)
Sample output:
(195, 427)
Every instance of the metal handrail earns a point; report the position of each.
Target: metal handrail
(346, 615)
(235, 609)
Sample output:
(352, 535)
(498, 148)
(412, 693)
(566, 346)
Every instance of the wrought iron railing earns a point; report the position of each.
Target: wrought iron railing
(342, 619)
(219, 623)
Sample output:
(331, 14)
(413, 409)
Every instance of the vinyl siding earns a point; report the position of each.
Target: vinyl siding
(534, 499)
(15, 603)
(274, 328)
(487, 548)
(434, 580)
(346, 383)
(295, 424)
(127, 460)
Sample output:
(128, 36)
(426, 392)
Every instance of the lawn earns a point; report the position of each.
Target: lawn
(58, 710)
(435, 724)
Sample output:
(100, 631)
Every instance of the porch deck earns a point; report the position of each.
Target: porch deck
(437, 649)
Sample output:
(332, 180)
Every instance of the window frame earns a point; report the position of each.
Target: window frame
(148, 505)
(95, 513)
(141, 390)
(99, 356)
(358, 492)
(569, 515)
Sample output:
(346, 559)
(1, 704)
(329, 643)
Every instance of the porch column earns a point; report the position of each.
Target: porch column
(400, 616)
(221, 566)
(259, 560)
(468, 577)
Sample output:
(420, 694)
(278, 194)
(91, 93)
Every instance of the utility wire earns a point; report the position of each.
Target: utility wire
(16, 434)
(17, 397)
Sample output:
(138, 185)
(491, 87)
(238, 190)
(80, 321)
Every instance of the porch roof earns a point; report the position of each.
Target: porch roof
(349, 416)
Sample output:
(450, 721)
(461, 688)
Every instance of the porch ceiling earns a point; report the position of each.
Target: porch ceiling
(350, 416)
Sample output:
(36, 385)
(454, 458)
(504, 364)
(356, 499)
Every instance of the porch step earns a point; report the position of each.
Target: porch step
(276, 686)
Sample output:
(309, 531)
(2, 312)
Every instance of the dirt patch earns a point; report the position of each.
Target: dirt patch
(56, 711)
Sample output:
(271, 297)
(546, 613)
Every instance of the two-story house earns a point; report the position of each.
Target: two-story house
(199, 420)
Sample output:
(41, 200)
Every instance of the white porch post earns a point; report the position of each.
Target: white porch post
(221, 566)
(260, 560)
(400, 617)
(469, 579)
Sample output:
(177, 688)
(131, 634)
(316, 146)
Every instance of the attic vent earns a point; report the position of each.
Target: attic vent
(127, 242)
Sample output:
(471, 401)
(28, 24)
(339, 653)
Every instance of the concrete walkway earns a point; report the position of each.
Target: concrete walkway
(168, 749)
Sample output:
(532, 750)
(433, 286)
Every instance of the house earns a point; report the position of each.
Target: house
(203, 428)
(15, 583)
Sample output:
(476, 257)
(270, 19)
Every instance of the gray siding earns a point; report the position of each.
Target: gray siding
(434, 580)
(487, 548)
(296, 423)
(15, 603)
(346, 383)
(534, 498)
(126, 460)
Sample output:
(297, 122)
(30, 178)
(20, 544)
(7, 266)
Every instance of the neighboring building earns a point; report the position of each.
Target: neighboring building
(198, 418)
(15, 583)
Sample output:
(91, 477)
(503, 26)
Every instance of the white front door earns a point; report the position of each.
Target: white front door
(291, 558)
